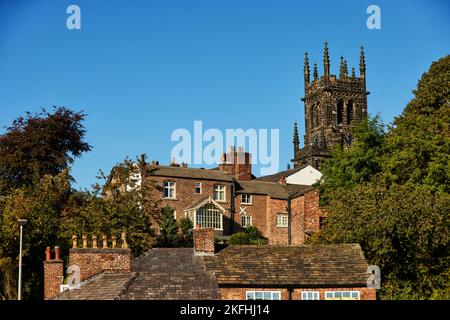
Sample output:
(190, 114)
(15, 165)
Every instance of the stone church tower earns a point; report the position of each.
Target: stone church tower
(332, 106)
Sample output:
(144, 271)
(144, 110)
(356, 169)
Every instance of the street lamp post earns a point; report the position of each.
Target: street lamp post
(22, 222)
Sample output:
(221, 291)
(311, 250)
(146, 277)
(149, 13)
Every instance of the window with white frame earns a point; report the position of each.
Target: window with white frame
(310, 295)
(198, 187)
(246, 199)
(342, 295)
(169, 190)
(246, 221)
(263, 295)
(209, 216)
(219, 192)
(282, 220)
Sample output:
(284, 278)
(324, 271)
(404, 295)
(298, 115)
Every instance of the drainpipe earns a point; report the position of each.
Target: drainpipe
(232, 206)
(289, 219)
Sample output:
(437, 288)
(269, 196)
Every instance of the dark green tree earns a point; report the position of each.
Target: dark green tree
(185, 232)
(123, 202)
(36, 152)
(39, 144)
(168, 236)
(419, 140)
(389, 192)
(250, 235)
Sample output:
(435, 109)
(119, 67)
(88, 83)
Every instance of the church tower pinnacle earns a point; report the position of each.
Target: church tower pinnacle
(332, 106)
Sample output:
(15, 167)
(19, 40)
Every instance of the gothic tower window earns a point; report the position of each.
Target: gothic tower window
(316, 116)
(339, 111)
(349, 111)
(311, 117)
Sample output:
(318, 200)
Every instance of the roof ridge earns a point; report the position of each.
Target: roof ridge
(126, 285)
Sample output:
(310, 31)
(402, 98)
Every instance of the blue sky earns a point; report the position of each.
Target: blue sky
(141, 69)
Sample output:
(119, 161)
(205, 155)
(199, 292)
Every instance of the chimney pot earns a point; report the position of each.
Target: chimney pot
(105, 241)
(94, 241)
(47, 254)
(114, 243)
(84, 240)
(57, 253)
(74, 241)
(124, 240)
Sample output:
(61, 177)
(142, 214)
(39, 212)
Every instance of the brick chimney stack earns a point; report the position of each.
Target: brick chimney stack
(238, 163)
(53, 273)
(204, 241)
(114, 256)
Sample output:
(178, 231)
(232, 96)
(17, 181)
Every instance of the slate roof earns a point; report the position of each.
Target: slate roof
(277, 176)
(176, 273)
(161, 274)
(105, 286)
(190, 173)
(275, 190)
(292, 266)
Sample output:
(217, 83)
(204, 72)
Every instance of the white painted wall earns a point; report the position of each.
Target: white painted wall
(306, 176)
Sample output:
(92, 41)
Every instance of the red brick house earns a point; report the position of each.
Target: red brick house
(229, 198)
(276, 272)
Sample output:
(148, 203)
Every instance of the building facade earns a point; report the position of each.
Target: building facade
(332, 105)
(277, 272)
(229, 199)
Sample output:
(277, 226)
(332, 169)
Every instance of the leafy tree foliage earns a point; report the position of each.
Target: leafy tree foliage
(168, 226)
(185, 233)
(35, 155)
(125, 202)
(390, 193)
(250, 235)
(40, 144)
(419, 140)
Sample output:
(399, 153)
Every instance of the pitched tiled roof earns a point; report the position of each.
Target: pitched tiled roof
(192, 285)
(301, 266)
(177, 273)
(277, 176)
(273, 189)
(161, 274)
(105, 286)
(192, 173)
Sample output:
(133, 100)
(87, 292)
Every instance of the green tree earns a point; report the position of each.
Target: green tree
(41, 204)
(250, 235)
(350, 166)
(185, 233)
(168, 236)
(389, 192)
(36, 152)
(124, 201)
(419, 140)
(39, 144)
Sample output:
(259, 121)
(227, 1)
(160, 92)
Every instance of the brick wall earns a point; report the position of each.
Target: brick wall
(240, 293)
(238, 163)
(92, 261)
(186, 196)
(365, 293)
(53, 277)
(257, 210)
(277, 235)
(312, 211)
(204, 241)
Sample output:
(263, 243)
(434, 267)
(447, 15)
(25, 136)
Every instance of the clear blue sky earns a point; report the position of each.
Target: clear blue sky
(141, 69)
